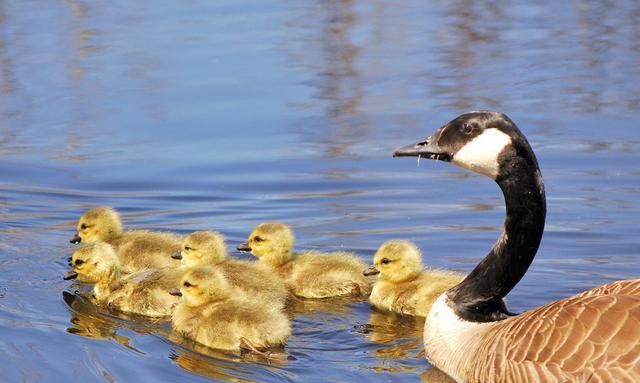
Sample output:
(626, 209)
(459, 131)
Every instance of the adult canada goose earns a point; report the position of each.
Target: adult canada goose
(138, 250)
(403, 286)
(208, 248)
(308, 274)
(593, 336)
(142, 293)
(218, 315)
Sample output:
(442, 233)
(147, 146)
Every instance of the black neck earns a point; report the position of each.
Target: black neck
(479, 297)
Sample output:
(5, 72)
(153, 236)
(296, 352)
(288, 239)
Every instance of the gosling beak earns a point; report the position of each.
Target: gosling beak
(175, 292)
(70, 275)
(373, 270)
(75, 239)
(427, 149)
(177, 255)
(244, 247)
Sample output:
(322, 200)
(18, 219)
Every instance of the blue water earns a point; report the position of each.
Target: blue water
(190, 115)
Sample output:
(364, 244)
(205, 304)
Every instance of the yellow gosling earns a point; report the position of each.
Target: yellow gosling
(216, 314)
(208, 248)
(138, 250)
(142, 293)
(403, 286)
(308, 274)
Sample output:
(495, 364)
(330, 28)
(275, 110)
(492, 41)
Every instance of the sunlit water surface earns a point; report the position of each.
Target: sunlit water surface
(219, 115)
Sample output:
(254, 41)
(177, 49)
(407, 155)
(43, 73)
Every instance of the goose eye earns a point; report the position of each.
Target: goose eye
(467, 128)
(258, 239)
(187, 284)
(385, 261)
(79, 262)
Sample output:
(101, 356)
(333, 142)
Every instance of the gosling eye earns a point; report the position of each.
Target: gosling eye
(187, 248)
(385, 261)
(83, 226)
(258, 239)
(187, 284)
(78, 262)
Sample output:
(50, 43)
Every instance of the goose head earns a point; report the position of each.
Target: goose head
(271, 242)
(202, 285)
(488, 143)
(202, 248)
(98, 224)
(396, 261)
(93, 263)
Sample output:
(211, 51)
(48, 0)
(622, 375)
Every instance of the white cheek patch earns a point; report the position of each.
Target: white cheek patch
(481, 154)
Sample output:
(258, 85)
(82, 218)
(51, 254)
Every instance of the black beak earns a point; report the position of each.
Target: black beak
(70, 275)
(373, 270)
(175, 292)
(177, 255)
(75, 239)
(427, 149)
(244, 247)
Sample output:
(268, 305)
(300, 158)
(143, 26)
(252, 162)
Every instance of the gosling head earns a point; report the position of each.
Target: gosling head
(485, 142)
(98, 224)
(202, 285)
(93, 263)
(202, 248)
(396, 261)
(271, 242)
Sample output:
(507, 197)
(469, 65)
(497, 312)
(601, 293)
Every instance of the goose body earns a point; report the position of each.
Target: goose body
(208, 248)
(143, 293)
(403, 286)
(469, 334)
(138, 250)
(308, 274)
(216, 314)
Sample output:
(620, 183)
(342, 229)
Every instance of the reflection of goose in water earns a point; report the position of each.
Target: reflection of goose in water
(138, 250)
(469, 333)
(308, 274)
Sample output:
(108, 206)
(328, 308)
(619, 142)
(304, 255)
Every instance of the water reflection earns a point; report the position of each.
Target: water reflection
(7, 78)
(215, 365)
(221, 365)
(89, 323)
(397, 337)
(465, 60)
(339, 83)
(84, 86)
